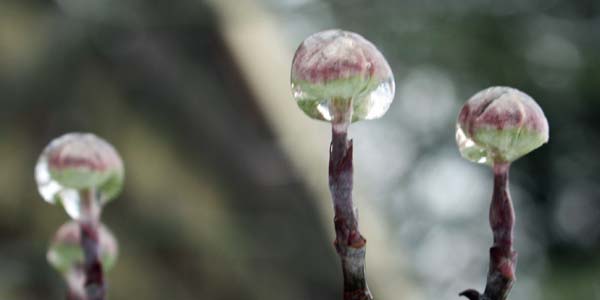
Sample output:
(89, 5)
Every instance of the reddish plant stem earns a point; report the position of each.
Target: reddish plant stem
(503, 259)
(349, 243)
(92, 267)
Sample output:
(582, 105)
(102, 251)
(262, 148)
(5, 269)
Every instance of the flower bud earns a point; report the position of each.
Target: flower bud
(65, 253)
(76, 162)
(500, 124)
(337, 72)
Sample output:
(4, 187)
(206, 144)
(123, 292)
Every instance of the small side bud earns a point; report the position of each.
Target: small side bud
(337, 74)
(499, 125)
(65, 253)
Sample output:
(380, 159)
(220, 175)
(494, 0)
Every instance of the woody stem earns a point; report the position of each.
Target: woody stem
(349, 243)
(503, 259)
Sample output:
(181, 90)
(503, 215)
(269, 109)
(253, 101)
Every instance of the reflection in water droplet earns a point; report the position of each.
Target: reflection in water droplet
(46, 186)
(470, 150)
(368, 105)
(52, 191)
(324, 110)
(378, 101)
(75, 163)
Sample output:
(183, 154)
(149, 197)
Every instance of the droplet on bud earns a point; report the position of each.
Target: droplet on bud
(74, 163)
(500, 124)
(66, 255)
(336, 70)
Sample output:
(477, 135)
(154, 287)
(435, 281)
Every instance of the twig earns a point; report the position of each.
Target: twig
(349, 243)
(503, 259)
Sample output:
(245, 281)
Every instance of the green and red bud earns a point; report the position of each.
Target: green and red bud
(499, 125)
(338, 74)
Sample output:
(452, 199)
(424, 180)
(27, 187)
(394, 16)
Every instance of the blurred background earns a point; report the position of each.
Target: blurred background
(226, 189)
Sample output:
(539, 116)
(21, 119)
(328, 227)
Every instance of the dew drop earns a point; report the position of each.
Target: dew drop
(377, 102)
(335, 73)
(86, 162)
(324, 109)
(65, 253)
(471, 150)
(53, 192)
(366, 106)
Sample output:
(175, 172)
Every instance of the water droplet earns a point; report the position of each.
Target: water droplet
(74, 164)
(500, 124)
(324, 109)
(66, 255)
(334, 71)
(374, 104)
(368, 105)
(470, 150)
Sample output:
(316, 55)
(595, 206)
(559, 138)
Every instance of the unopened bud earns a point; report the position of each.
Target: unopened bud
(500, 124)
(339, 76)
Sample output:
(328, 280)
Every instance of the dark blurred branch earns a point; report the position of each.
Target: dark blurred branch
(503, 259)
(349, 243)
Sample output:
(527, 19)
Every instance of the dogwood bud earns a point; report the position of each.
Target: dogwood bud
(499, 125)
(339, 76)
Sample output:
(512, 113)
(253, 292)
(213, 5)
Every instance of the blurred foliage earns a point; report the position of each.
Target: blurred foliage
(210, 207)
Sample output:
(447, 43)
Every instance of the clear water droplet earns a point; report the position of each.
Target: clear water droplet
(368, 105)
(324, 110)
(53, 192)
(73, 176)
(471, 150)
(375, 103)
(66, 255)
(335, 73)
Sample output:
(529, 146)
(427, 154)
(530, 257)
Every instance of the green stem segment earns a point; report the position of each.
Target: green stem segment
(503, 259)
(349, 243)
(89, 224)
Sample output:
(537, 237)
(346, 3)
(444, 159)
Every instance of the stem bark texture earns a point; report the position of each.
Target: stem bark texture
(349, 243)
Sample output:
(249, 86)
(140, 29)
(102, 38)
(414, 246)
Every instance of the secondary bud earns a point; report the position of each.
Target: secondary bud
(76, 162)
(65, 253)
(500, 124)
(339, 74)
